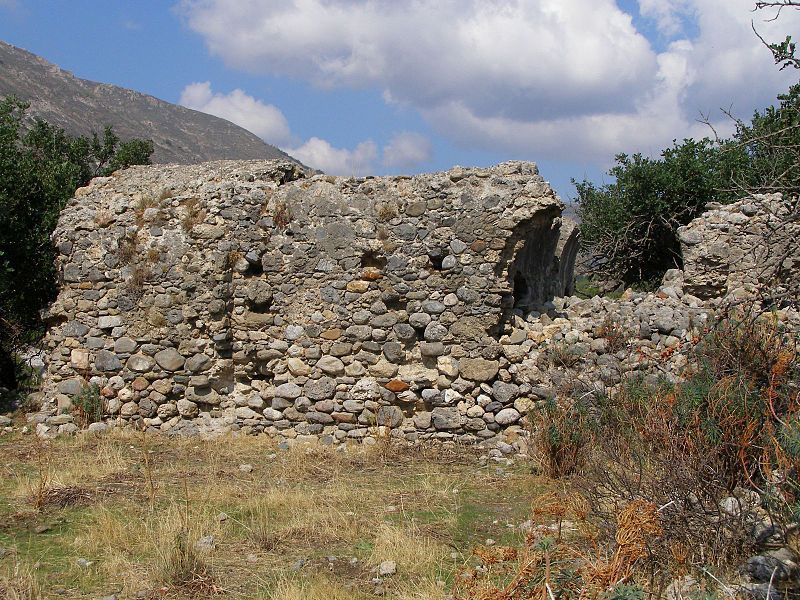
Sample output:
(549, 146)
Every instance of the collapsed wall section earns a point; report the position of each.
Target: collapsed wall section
(302, 305)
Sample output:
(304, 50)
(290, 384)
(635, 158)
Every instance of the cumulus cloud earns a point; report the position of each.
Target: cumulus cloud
(406, 150)
(539, 78)
(320, 154)
(265, 120)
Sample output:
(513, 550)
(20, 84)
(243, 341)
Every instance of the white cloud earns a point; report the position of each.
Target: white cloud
(668, 14)
(537, 78)
(265, 120)
(319, 154)
(406, 150)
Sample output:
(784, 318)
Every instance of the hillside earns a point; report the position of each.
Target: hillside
(79, 106)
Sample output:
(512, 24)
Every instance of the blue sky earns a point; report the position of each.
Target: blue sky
(392, 86)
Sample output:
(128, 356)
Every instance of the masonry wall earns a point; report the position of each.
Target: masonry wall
(304, 305)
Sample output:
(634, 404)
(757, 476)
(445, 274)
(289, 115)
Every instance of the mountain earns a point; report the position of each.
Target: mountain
(79, 106)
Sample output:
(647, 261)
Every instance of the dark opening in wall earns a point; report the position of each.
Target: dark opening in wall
(436, 256)
(531, 256)
(373, 259)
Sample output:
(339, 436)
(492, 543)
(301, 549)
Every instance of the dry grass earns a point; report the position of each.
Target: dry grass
(19, 582)
(134, 506)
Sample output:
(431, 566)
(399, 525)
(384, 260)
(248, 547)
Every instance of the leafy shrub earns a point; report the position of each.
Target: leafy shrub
(89, 405)
(40, 169)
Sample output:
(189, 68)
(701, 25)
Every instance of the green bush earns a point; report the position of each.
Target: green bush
(629, 226)
(40, 169)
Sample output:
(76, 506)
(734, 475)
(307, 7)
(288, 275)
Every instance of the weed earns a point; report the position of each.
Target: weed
(562, 354)
(153, 255)
(165, 194)
(561, 431)
(281, 215)
(89, 405)
(386, 211)
(194, 214)
(614, 334)
(38, 491)
(128, 248)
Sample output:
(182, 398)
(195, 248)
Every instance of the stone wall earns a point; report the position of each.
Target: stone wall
(301, 305)
(752, 245)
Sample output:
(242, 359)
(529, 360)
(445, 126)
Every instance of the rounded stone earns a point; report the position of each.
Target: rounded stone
(320, 389)
(330, 365)
(140, 363)
(289, 391)
(187, 409)
(419, 319)
(435, 332)
(106, 360)
(170, 359)
(507, 416)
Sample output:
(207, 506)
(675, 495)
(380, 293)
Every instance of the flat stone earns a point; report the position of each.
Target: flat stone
(106, 360)
(109, 322)
(445, 418)
(397, 386)
(197, 363)
(478, 369)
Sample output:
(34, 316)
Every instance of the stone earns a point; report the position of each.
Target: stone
(504, 392)
(394, 353)
(445, 418)
(389, 416)
(387, 568)
(197, 363)
(507, 416)
(139, 363)
(79, 359)
(288, 390)
(478, 369)
(109, 322)
(397, 386)
(125, 345)
(105, 360)
(187, 409)
(320, 389)
(330, 365)
(169, 359)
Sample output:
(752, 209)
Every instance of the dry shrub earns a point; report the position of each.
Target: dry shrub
(561, 431)
(194, 214)
(281, 215)
(565, 567)
(562, 354)
(727, 428)
(128, 248)
(184, 570)
(614, 334)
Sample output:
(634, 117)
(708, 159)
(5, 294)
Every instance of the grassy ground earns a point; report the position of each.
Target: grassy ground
(121, 514)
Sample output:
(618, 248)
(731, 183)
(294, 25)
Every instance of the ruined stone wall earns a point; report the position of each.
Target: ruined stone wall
(750, 246)
(305, 305)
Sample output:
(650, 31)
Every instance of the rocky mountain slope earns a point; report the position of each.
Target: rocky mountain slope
(180, 135)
